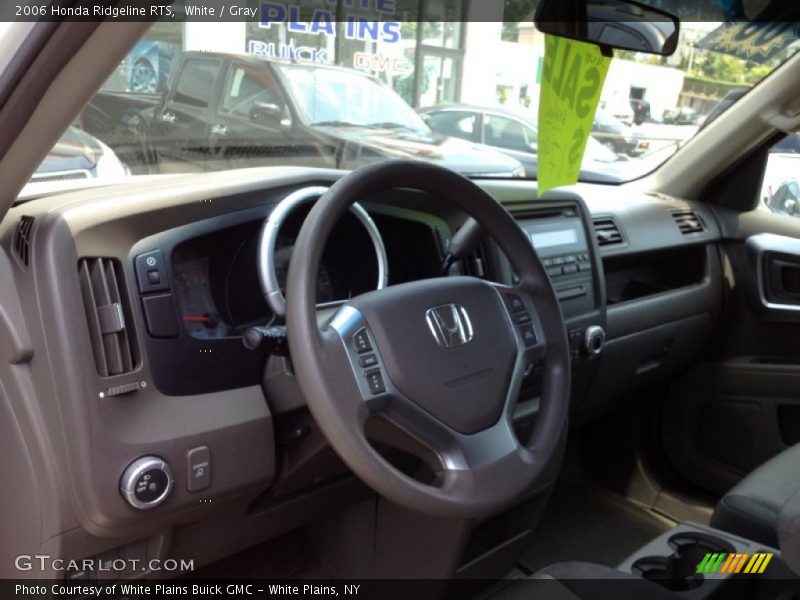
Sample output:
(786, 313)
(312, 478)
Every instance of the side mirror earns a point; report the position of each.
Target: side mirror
(265, 111)
(620, 24)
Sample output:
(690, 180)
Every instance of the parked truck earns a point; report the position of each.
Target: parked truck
(222, 111)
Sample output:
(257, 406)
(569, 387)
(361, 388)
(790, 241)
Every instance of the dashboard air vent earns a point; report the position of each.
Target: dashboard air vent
(103, 287)
(607, 232)
(688, 222)
(22, 239)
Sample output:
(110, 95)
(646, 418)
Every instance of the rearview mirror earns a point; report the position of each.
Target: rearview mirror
(620, 24)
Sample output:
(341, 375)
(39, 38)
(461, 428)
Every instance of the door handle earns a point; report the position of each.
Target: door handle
(219, 130)
(167, 117)
(784, 278)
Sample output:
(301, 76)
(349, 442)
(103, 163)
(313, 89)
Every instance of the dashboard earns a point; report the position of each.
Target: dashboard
(138, 300)
(216, 286)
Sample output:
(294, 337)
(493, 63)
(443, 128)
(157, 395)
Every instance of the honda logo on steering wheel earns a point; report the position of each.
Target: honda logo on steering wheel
(450, 325)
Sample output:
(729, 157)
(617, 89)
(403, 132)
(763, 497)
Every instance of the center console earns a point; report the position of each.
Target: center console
(561, 233)
(699, 562)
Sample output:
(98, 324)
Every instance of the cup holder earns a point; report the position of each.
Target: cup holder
(678, 571)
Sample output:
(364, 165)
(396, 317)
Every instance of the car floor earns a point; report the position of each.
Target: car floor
(584, 522)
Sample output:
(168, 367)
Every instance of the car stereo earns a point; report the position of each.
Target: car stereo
(560, 241)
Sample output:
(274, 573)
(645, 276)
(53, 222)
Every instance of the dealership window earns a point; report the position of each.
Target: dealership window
(417, 48)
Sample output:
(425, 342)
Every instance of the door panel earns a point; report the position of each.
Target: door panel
(742, 406)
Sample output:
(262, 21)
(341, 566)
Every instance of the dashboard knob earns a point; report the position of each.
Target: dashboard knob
(146, 482)
(594, 340)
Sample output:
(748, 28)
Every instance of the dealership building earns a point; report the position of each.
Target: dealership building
(428, 51)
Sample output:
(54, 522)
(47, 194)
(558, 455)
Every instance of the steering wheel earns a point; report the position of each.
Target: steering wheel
(443, 359)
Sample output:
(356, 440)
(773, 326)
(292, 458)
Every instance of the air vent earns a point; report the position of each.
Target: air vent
(108, 315)
(688, 222)
(607, 232)
(22, 239)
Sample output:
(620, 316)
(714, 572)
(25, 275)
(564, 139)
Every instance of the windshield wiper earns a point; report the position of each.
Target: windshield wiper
(335, 124)
(390, 125)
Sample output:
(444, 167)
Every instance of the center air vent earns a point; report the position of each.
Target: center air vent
(607, 232)
(108, 315)
(22, 239)
(688, 222)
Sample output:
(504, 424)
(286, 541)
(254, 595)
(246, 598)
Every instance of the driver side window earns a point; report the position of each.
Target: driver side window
(247, 85)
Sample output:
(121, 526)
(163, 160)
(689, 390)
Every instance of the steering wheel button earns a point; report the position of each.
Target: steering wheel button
(368, 360)
(514, 302)
(361, 342)
(522, 318)
(528, 334)
(375, 381)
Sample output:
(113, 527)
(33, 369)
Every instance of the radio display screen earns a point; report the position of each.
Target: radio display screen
(548, 239)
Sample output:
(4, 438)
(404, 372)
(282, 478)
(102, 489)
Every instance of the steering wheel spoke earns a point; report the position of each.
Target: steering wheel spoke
(522, 313)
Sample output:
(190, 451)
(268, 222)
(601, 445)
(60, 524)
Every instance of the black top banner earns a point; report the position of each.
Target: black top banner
(323, 13)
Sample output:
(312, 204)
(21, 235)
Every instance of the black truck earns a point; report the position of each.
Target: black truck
(223, 111)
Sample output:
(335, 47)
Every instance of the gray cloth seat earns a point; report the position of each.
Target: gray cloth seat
(750, 509)
(581, 581)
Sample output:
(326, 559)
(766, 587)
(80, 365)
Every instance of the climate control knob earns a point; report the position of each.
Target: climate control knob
(594, 339)
(146, 482)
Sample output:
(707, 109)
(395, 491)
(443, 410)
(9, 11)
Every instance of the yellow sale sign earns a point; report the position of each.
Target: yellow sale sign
(572, 79)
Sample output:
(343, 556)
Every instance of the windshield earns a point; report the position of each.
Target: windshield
(346, 85)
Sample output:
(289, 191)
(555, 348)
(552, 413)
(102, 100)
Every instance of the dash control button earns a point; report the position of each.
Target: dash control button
(375, 381)
(146, 482)
(198, 469)
(151, 272)
(361, 342)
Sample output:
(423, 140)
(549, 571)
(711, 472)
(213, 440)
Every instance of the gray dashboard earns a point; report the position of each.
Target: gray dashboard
(657, 290)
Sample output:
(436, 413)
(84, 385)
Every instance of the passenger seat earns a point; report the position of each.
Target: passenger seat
(750, 509)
